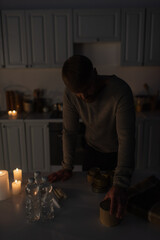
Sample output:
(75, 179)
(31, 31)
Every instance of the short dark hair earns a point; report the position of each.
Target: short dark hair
(76, 71)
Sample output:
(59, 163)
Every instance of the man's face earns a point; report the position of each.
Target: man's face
(88, 93)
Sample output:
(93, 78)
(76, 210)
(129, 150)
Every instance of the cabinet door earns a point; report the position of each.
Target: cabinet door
(132, 45)
(14, 34)
(139, 164)
(151, 144)
(38, 38)
(61, 43)
(92, 25)
(37, 136)
(14, 148)
(1, 48)
(2, 165)
(152, 44)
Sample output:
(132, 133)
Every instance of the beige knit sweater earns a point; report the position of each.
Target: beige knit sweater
(110, 126)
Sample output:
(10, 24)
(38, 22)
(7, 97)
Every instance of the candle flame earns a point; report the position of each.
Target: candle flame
(15, 181)
(14, 111)
(0, 172)
(16, 169)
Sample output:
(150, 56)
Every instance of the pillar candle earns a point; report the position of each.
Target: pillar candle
(17, 173)
(4, 185)
(16, 187)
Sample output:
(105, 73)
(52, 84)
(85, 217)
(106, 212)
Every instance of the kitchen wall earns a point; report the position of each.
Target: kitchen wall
(105, 56)
(106, 59)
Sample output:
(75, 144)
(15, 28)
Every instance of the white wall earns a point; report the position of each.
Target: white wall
(106, 59)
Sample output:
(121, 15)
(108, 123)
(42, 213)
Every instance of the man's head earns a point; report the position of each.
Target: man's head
(79, 76)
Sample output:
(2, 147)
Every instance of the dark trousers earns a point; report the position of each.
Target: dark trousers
(93, 158)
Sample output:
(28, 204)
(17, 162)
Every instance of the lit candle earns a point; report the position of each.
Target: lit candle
(17, 173)
(14, 113)
(4, 185)
(10, 113)
(16, 187)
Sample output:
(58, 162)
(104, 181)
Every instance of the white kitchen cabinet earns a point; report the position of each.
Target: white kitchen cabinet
(92, 25)
(1, 48)
(37, 141)
(2, 165)
(61, 42)
(132, 39)
(14, 35)
(13, 145)
(139, 146)
(140, 37)
(151, 151)
(38, 38)
(152, 37)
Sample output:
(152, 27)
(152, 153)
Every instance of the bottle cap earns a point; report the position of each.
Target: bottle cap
(37, 173)
(44, 179)
(30, 180)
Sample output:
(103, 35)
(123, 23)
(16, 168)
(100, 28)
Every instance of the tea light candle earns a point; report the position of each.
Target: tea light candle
(4, 185)
(17, 173)
(16, 187)
(10, 113)
(14, 113)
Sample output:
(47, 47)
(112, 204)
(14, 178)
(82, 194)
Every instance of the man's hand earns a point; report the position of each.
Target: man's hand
(118, 197)
(62, 174)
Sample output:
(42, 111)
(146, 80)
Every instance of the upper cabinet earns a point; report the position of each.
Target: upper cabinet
(92, 25)
(37, 38)
(14, 34)
(61, 42)
(140, 37)
(1, 48)
(152, 43)
(132, 44)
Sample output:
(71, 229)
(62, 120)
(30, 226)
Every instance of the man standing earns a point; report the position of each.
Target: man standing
(105, 105)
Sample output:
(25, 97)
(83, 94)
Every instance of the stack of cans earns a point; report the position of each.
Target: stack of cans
(100, 182)
(92, 173)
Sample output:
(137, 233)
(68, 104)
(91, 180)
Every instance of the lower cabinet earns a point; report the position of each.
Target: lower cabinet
(37, 143)
(152, 144)
(147, 154)
(13, 145)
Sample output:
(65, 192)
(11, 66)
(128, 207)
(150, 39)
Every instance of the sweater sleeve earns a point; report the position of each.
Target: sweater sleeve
(125, 125)
(70, 130)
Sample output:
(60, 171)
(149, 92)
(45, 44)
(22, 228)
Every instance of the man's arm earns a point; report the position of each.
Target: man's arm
(125, 125)
(70, 129)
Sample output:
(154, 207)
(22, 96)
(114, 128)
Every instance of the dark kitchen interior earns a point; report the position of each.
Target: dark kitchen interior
(36, 37)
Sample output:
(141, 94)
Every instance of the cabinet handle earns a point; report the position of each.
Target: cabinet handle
(26, 66)
(98, 39)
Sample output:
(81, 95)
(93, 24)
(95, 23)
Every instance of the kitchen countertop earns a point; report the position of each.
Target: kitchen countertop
(77, 219)
(58, 116)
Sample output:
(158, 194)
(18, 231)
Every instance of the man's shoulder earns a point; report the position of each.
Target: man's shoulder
(118, 84)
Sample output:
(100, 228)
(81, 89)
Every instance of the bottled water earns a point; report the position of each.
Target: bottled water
(32, 201)
(37, 177)
(47, 200)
